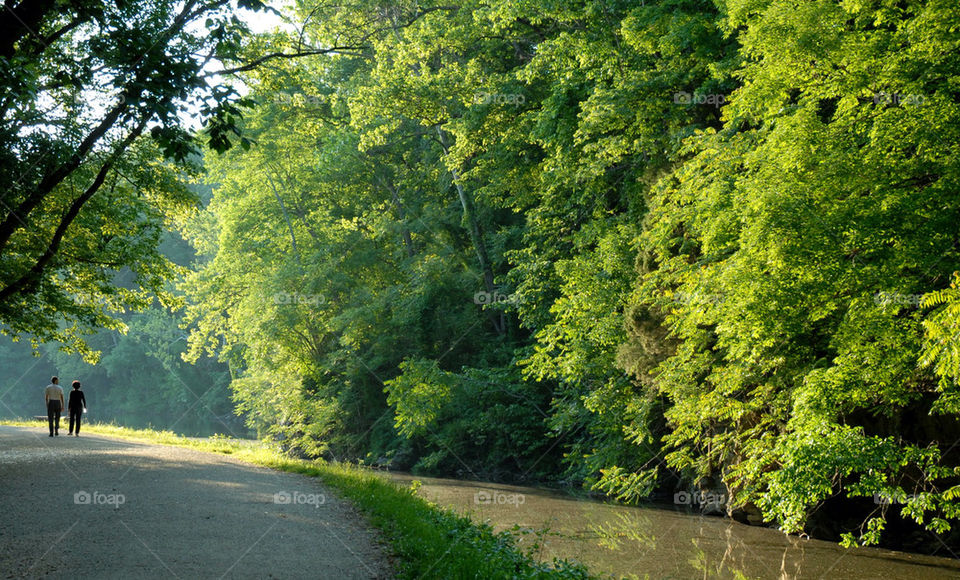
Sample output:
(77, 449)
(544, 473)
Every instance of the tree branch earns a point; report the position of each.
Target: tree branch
(30, 279)
(279, 55)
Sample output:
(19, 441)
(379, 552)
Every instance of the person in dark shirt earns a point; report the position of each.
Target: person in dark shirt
(76, 405)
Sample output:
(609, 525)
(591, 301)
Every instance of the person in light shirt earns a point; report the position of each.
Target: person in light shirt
(53, 397)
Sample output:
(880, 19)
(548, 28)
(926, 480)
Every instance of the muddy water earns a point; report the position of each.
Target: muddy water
(646, 542)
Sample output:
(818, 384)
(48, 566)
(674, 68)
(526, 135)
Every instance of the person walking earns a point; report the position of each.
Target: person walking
(77, 406)
(53, 397)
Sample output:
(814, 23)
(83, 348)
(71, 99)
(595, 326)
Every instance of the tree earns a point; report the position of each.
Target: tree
(84, 83)
(790, 254)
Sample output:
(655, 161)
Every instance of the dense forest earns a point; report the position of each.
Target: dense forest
(642, 247)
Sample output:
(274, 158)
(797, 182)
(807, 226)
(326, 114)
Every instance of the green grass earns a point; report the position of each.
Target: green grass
(427, 540)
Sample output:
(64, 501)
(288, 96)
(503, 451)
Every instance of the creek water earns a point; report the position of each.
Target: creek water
(665, 542)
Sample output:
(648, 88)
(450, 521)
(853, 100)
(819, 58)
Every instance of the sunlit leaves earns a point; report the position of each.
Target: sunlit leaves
(792, 254)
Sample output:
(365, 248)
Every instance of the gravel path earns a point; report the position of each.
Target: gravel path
(98, 507)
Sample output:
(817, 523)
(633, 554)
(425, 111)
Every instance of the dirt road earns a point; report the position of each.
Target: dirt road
(98, 507)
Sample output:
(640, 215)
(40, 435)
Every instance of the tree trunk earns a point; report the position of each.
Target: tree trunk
(476, 236)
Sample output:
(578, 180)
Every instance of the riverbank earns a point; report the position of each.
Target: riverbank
(663, 540)
(427, 541)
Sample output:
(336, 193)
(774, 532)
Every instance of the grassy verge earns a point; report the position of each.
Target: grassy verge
(429, 541)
